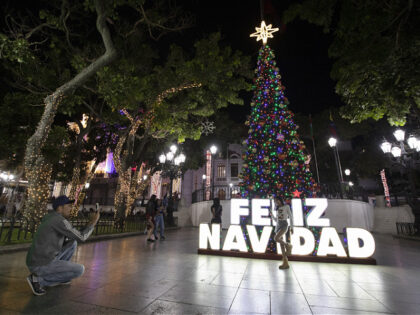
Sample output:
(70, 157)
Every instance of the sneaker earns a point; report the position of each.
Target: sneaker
(284, 266)
(162, 238)
(289, 249)
(150, 240)
(156, 238)
(35, 286)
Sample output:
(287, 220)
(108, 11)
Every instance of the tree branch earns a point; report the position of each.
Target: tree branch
(65, 13)
(38, 28)
(134, 27)
(92, 110)
(37, 140)
(109, 55)
(170, 91)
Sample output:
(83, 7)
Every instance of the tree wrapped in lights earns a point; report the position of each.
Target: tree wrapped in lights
(274, 162)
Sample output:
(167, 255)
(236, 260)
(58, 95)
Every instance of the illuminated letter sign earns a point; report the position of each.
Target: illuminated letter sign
(207, 236)
(259, 245)
(303, 241)
(329, 236)
(353, 237)
(238, 208)
(297, 212)
(360, 243)
(235, 233)
(260, 210)
(314, 216)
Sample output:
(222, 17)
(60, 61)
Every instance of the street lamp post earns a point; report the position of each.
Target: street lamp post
(402, 154)
(213, 151)
(171, 165)
(333, 144)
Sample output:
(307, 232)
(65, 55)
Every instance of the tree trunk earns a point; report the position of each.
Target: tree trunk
(121, 196)
(36, 167)
(38, 190)
(80, 194)
(75, 182)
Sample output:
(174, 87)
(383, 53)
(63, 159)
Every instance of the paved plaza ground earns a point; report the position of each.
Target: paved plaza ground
(128, 275)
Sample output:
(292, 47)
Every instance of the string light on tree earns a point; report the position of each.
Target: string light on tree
(38, 171)
(167, 92)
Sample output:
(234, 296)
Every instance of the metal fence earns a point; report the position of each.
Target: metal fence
(223, 192)
(408, 229)
(16, 231)
(101, 200)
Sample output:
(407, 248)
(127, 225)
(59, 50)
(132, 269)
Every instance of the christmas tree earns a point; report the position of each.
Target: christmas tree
(274, 162)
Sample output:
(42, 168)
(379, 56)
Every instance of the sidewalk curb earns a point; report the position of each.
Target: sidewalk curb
(6, 249)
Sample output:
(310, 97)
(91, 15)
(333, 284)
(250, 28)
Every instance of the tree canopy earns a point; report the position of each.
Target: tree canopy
(376, 52)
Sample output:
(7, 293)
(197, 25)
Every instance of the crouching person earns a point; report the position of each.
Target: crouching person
(53, 245)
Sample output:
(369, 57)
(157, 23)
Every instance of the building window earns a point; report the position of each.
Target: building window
(221, 171)
(234, 170)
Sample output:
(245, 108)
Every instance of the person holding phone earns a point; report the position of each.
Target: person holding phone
(53, 246)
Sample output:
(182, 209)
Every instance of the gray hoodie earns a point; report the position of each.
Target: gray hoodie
(49, 239)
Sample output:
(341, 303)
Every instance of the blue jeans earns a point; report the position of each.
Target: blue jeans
(61, 269)
(159, 224)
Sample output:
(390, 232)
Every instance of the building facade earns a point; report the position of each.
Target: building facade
(219, 177)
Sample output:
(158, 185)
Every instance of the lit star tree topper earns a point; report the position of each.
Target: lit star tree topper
(264, 32)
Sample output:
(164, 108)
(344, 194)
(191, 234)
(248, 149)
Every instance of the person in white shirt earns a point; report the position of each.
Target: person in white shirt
(283, 213)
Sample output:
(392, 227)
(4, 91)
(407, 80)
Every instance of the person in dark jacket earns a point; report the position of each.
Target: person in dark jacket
(54, 244)
(159, 224)
(216, 211)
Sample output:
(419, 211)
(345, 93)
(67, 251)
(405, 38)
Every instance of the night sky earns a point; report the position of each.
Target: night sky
(301, 49)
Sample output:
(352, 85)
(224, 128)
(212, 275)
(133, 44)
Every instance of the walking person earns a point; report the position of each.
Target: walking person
(216, 211)
(170, 210)
(176, 201)
(282, 226)
(159, 223)
(165, 201)
(150, 214)
(54, 243)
